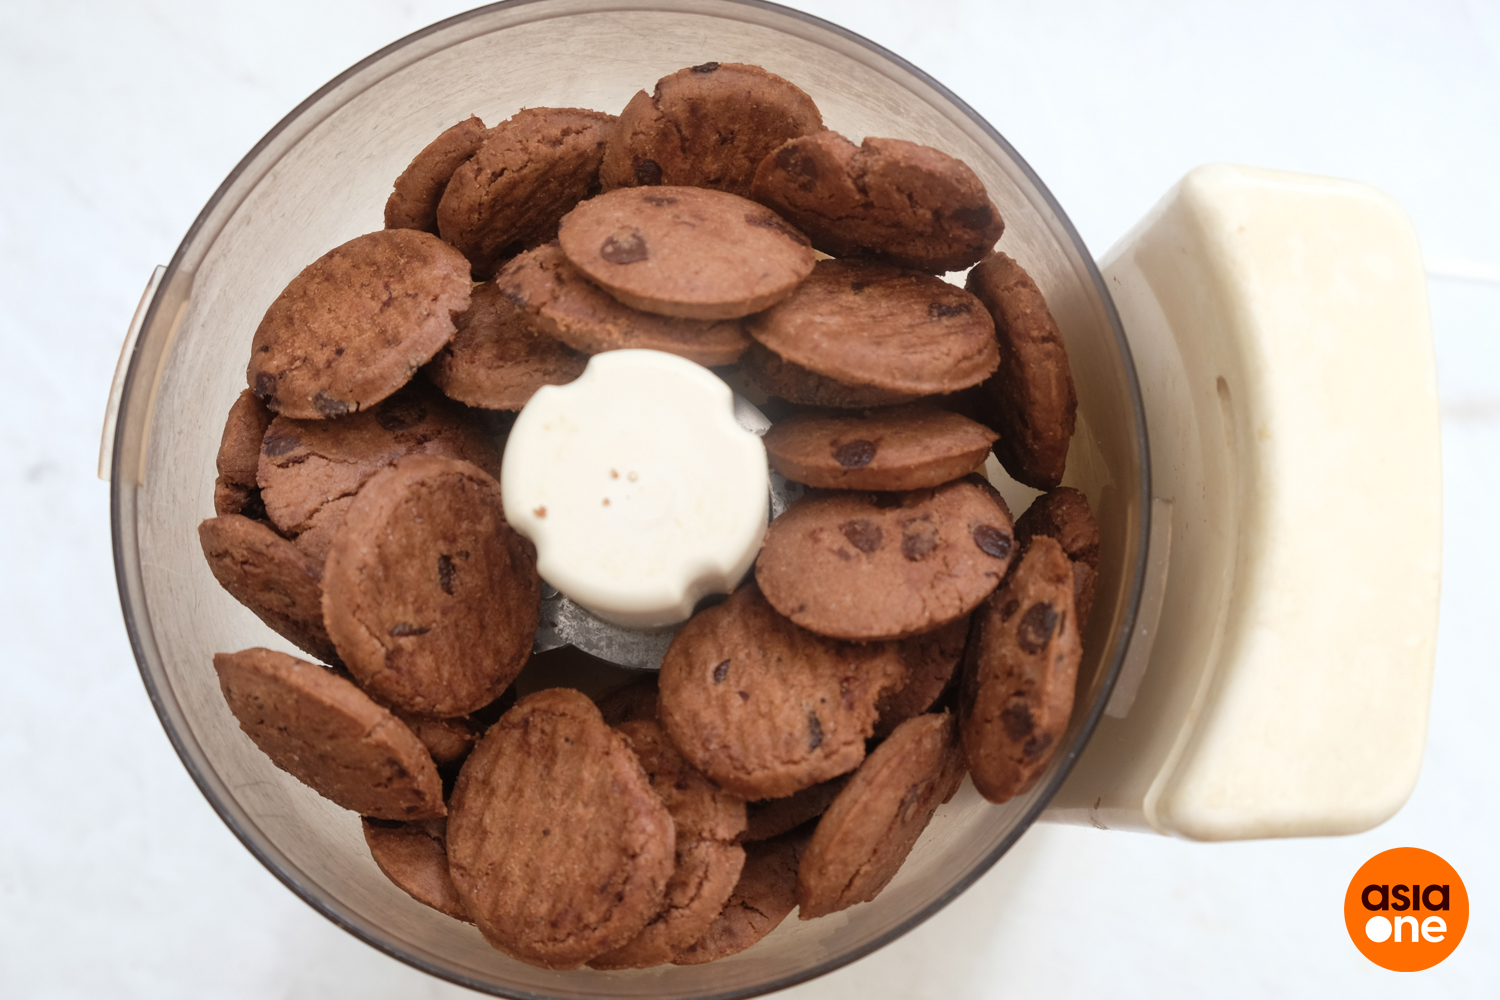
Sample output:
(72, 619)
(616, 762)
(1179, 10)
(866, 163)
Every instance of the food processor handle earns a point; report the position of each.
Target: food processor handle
(1278, 679)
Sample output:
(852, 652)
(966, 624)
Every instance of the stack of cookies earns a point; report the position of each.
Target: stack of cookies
(899, 630)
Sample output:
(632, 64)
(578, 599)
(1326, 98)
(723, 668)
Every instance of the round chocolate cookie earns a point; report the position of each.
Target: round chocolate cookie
(765, 708)
(899, 448)
(236, 490)
(414, 200)
(1019, 672)
(708, 862)
(864, 323)
(415, 857)
(310, 470)
(448, 740)
(357, 323)
(329, 735)
(898, 201)
(868, 831)
(1064, 514)
(796, 384)
(558, 846)
(764, 895)
(706, 126)
(270, 576)
(569, 307)
(429, 596)
(884, 565)
(772, 817)
(1030, 399)
(930, 660)
(530, 171)
(682, 251)
(499, 356)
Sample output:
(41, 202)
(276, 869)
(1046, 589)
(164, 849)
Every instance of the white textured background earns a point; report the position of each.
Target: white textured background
(119, 119)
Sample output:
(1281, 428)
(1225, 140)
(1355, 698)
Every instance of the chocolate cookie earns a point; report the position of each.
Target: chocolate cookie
(569, 307)
(1019, 672)
(357, 323)
(884, 565)
(765, 708)
(897, 201)
(765, 894)
(796, 384)
(329, 735)
(530, 171)
(236, 490)
(864, 323)
(772, 817)
(1064, 514)
(430, 598)
(868, 831)
(415, 857)
(414, 200)
(708, 862)
(706, 126)
(500, 356)
(448, 740)
(310, 470)
(558, 846)
(930, 660)
(270, 576)
(682, 251)
(899, 448)
(1030, 399)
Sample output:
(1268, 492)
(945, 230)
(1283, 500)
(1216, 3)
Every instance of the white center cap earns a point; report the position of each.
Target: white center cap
(640, 491)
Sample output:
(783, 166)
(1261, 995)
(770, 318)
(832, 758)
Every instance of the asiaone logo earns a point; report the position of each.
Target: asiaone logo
(1406, 909)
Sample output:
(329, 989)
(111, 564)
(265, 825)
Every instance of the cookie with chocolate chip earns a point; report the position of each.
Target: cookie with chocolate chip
(357, 323)
(429, 596)
(1018, 675)
(764, 896)
(530, 171)
(236, 490)
(889, 199)
(414, 856)
(1064, 514)
(895, 448)
(577, 312)
(1030, 399)
(869, 324)
(861, 841)
(310, 470)
(682, 251)
(270, 576)
(869, 566)
(330, 735)
(706, 126)
(766, 708)
(413, 201)
(500, 356)
(931, 659)
(557, 845)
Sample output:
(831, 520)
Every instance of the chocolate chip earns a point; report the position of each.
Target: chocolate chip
(659, 200)
(265, 384)
(625, 251)
(1036, 627)
(814, 731)
(329, 406)
(400, 414)
(854, 454)
(863, 535)
(919, 537)
(942, 310)
(1017, 721)
(721, 672)
(744, 695)
(769, 220)
(976, 219)
(1011, 607)
(648, 173)
(446, 573)
(707, 67)
(992, 541)
(1036, 745)
(407, 628)
(276, 445)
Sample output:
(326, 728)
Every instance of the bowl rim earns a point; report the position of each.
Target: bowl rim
(141, 635)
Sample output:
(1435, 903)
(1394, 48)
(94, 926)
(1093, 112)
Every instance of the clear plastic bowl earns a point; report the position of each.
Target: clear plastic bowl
(321, 177)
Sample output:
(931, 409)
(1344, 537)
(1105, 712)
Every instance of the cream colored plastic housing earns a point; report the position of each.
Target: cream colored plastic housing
(1280, 329)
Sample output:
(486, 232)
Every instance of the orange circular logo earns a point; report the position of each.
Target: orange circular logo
(1406, 909)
